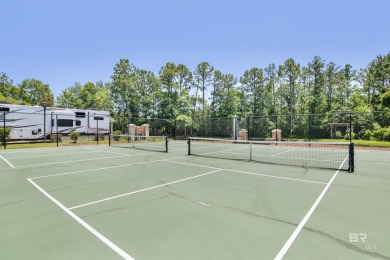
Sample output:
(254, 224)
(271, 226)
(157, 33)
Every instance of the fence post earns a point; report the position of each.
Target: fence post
(174, 130)
(212, 128)
(309, 131)
(57, 128)
(276, 123)
(189, 146)
(350, 126)
(4, 135)
(247, 127)
(97, 131)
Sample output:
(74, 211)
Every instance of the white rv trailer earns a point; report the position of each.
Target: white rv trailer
(29, 122)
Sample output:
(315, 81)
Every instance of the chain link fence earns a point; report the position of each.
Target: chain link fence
(56, 126)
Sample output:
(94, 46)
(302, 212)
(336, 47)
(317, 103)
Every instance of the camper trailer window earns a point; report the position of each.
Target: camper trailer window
(4, 109)
(98, 118)
(64, 123)
(80, 114)
(78, 123)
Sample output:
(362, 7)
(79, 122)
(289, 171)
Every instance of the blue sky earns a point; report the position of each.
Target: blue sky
(66, 41)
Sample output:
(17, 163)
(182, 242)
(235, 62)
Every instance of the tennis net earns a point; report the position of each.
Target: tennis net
(328, 155)
(148, 143)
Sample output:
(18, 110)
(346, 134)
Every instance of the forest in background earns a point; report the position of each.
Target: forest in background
(290, 91)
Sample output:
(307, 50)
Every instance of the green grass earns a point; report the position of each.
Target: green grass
(365, 143)
(37, 145)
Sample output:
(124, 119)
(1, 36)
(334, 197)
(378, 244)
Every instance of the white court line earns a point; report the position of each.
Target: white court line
(45, 155)
(252, 173)
(298, 229)
(102, 238)
(10, 164)
(82, 160)
(138, 191)
(30, 150)
(197, 165)
(123, 154)
(103, 168)
(177, 149)
(277, 177)
(282, 152)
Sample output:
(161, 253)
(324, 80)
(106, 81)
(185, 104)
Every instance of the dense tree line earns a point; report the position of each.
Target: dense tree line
(288, 89)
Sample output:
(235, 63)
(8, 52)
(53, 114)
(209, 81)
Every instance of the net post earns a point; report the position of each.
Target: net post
(351, 167)
(4, 135)
(109, 138)
(166, 144)
(189, 146)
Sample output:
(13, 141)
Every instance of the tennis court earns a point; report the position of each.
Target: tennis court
(113, 202)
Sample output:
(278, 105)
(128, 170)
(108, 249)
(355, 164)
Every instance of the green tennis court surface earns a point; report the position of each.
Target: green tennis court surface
(101, 202)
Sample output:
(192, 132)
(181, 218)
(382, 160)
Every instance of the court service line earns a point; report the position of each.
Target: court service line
(93, 149)
(82, 160)
(197, 165)
(252, 173)
(298, 229)
(102, 238)
(277, 177)
(283, 152)
(10, 164)
(102, 168)
(138, 191)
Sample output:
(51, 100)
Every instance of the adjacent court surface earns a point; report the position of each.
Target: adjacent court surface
(101, 202)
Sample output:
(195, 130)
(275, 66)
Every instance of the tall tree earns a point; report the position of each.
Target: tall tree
(289, 73)
(85, 96)
(147, 87)
(36, 92)
(170, 91)
(271, 82)
(377, 78)
(331, 81)
(317, 103)
(122, 89)
(203, 74)
(253, 84)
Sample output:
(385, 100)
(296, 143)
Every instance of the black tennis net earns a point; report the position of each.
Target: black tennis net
(328, 155)
(148, 143)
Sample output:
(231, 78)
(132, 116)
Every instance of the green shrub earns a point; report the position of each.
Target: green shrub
(367, 135)
(382, 134)
(116, 135)
(346, 137)
(74, 136)
(7, 134)
(338, 135)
